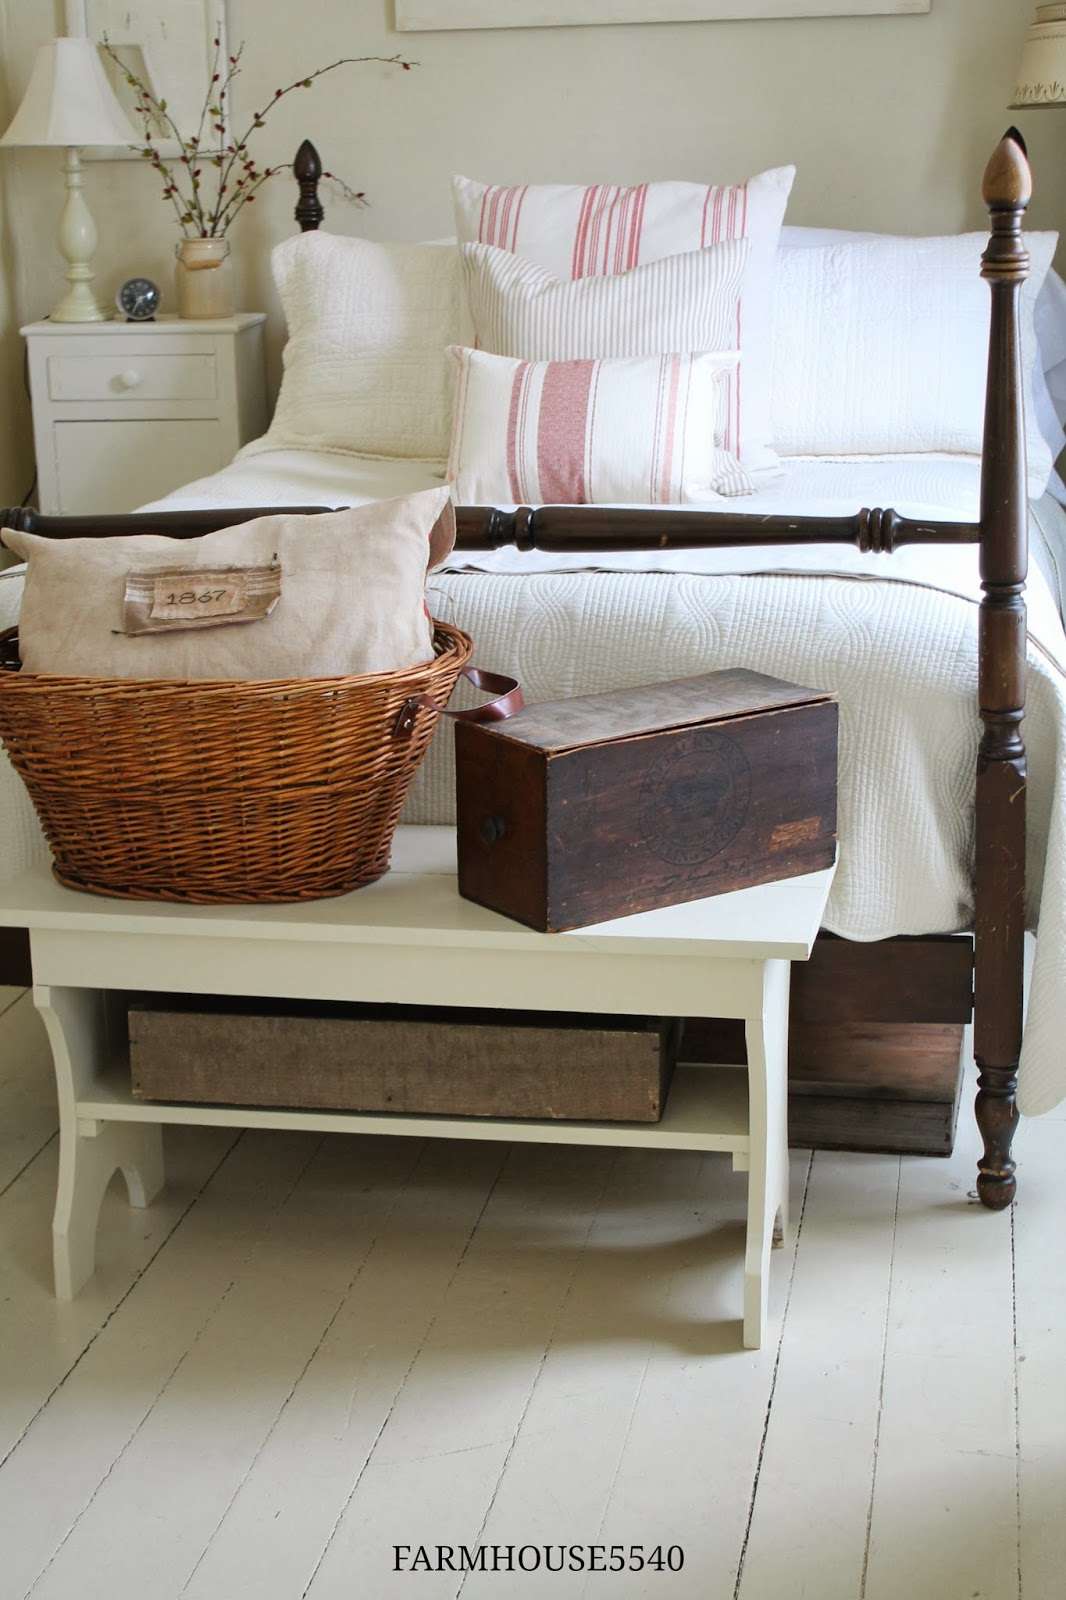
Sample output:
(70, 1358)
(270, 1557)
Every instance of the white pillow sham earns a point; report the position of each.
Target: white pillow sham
(365, 366)
(881, 346)
(646, 429)
(578, 231)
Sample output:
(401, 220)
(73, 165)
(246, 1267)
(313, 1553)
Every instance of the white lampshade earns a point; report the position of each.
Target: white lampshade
(1042, 73)
(68, 101)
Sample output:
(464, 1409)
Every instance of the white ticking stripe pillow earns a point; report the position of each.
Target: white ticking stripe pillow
(684, 304)
(645, 430)
(579, 231)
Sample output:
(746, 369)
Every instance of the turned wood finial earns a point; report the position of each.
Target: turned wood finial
(1008, 182)
(307, 170)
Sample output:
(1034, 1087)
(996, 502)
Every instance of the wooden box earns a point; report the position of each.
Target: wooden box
(578, 811)
(444, 1062)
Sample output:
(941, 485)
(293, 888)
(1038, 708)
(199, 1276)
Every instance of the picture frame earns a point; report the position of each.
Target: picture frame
(419, 16)
(169, 43)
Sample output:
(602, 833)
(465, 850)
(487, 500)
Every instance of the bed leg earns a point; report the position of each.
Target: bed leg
(997, 1118)
(999, 887)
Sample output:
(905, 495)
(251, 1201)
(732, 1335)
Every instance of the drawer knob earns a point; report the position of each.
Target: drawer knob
(492, 829)
(130, 378)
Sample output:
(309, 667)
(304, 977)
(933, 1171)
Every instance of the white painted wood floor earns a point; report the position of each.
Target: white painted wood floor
(311, 1349)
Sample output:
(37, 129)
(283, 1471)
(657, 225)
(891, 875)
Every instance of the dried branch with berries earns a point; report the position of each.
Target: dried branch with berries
(215, 176)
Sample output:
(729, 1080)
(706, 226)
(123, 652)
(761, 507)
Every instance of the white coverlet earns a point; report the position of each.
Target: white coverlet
(894, 636)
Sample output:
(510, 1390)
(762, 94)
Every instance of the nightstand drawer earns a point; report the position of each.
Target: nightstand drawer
(132, 375)
(119, 465)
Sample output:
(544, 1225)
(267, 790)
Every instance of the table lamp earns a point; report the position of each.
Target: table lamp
(69, 102)
(1042, 72)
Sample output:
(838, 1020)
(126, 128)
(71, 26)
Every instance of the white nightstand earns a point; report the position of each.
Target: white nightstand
(123, 412)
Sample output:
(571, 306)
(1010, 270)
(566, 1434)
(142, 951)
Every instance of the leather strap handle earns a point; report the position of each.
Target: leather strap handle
(508, 699)
(508, 692)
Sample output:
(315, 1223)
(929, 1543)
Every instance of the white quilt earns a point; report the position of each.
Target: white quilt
(894, 636)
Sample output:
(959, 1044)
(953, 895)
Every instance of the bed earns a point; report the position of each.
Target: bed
(913, 615)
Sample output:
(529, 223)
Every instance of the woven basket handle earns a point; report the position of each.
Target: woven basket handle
(508, 699)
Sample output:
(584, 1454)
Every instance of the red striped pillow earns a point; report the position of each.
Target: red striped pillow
(580, 231)
(644, 430)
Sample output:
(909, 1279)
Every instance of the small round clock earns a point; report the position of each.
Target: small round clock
(138, 300)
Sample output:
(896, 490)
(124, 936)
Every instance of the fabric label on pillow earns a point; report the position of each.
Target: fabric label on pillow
(189, 597)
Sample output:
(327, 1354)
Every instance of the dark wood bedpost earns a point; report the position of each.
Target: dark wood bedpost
(1000, 826)
(307, 170)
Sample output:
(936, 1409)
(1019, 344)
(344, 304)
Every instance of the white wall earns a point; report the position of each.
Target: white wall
(889, 120)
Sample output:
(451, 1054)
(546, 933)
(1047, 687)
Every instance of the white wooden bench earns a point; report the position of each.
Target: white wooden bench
(410, 938)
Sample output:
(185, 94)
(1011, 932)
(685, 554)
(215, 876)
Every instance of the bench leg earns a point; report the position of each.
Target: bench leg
(90, 1151)
(90, 1154)
(767, 1041)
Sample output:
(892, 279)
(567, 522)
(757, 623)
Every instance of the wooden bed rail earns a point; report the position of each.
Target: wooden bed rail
(553, 528)
(1002, 533)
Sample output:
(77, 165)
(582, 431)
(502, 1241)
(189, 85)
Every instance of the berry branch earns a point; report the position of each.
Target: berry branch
(206, 208)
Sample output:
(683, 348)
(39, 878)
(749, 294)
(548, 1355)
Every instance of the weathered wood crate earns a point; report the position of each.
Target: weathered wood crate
(582, 810)
(441, 1062)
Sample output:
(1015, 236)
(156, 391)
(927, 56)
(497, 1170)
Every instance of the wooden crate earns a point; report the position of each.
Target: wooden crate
(875, 1043)
(438, 1062)
(582, 810)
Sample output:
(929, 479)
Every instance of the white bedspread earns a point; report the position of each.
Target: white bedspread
(894, 636)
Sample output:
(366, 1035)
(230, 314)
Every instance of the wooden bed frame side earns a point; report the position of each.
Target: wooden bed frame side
(1002, 533)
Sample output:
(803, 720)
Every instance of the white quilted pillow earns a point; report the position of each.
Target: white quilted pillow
(645, 429)
(881, 347)
(580, 231)
(366, 368)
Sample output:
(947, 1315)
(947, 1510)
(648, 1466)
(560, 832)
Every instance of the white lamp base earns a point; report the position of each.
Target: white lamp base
(77, 243)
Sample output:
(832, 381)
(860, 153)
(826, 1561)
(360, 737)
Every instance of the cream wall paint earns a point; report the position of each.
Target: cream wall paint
(889, 120)
(16, 444)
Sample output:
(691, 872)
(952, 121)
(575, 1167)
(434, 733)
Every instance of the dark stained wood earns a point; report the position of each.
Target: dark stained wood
(604, 805)
(561, 528)
(551, 528)
(920, 1060)
(15, 969)
(891, 1087)
(172, 524)
(872, 1126)
(1001, 771)
(307, 170)
(913, 980)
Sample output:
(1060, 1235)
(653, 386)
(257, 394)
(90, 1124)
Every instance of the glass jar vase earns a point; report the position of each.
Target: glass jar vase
(204, 279)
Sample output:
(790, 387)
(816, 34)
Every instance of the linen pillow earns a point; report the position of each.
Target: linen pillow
(644, 429)
(365, 368)
(881, 347)
(578, 231)
(352, 596)
(682, 305)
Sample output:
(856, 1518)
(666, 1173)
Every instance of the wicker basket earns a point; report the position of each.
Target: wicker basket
(287, 789)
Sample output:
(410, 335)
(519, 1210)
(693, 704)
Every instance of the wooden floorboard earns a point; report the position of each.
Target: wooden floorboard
(1040, 1273)
(814, 1481)
(279, 1527)
(944, 1507)
(310, 1349)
